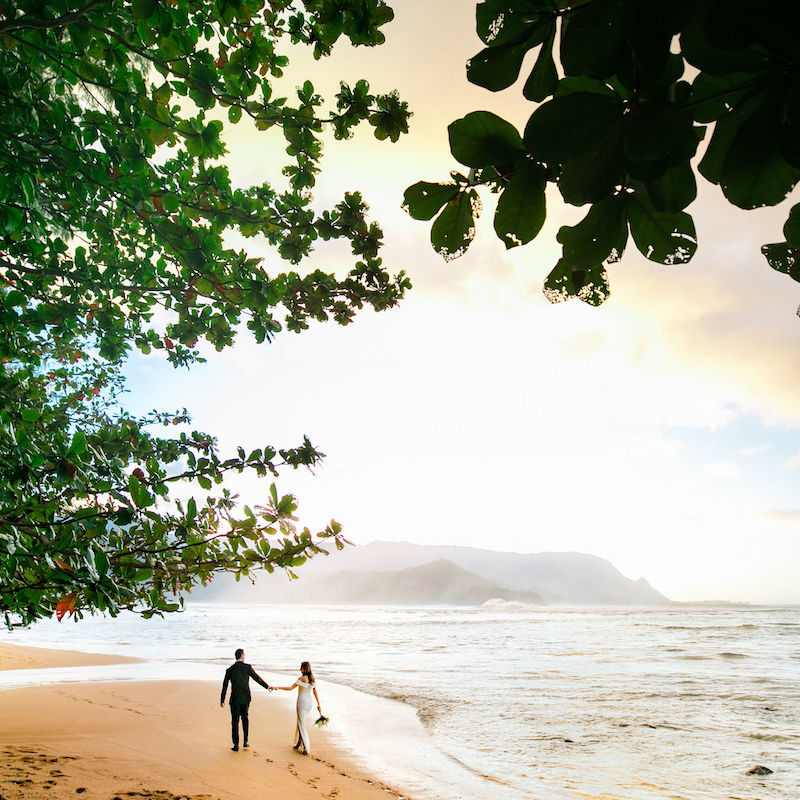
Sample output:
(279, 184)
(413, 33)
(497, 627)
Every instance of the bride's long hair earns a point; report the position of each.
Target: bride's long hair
(305, 668)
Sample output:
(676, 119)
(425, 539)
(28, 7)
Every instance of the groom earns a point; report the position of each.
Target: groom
(239, 675)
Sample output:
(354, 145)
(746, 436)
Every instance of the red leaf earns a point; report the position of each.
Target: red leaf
(66, 605)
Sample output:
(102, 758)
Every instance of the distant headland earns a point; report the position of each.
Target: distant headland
(401, 573)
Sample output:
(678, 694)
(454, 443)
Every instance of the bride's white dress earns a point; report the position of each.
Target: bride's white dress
(305, 702)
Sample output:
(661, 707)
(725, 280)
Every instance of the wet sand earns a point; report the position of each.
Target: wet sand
(163, 740)
(14, 656)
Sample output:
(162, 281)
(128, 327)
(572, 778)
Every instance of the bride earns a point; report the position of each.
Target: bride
(305, 686)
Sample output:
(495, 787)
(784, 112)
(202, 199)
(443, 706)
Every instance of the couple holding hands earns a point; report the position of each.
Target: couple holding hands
(239, 674)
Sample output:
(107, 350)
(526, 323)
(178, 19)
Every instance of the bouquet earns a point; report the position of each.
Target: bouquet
(322, 721)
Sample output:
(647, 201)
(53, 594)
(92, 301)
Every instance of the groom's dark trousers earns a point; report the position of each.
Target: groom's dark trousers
(238, 675)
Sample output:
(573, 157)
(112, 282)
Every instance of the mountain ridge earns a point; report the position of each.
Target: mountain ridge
(559, 577)
(436, 583)
(570, 578)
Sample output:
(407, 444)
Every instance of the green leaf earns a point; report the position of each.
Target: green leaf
(543, 79)
(754, 172)
(101, 562)
(454, 229)
(661, 236)
(601, 235)
(15, 298)
(482, 139)
(139, 494)
(710, 166)
(171, 202)
(521, 208)
(783, 258)
(11, 219)
(653, 130)
(575, 84)
(143, 9)
(423, 200)
(496, 68)
(674, 190)
(204, 482)
(30, 414)
(708, 58)
(727, 25)
(28, 188)
(557, 131)
(78, 444)
(587, 283)
(713, 96)
(789, 134)
(791, 228)
(593, 39)
(595, 175)
(498, 22)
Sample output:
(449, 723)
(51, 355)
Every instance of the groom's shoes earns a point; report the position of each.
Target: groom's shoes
(235, 748)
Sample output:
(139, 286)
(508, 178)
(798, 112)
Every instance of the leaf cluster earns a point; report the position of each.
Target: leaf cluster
(116, 213)
(625, 92)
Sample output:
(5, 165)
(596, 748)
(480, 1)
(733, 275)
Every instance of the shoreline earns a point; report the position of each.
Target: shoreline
(20, 656)
(158, 740)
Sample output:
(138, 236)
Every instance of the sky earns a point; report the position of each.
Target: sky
(660, 431)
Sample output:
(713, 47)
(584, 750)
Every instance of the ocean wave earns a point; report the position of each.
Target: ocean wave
(428, 709)
(769, 737)
(733, 655)
(498, 604)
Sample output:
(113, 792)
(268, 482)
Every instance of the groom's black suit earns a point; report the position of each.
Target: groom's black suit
(238, 675)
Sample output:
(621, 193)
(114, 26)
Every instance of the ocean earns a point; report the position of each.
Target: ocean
(504, 702)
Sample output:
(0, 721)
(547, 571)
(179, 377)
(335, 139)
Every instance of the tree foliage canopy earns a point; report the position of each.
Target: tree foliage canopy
(622, 105)
(115, 218)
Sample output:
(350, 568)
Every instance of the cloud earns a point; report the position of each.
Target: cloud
(791, 463)
(752, 451)
(781, 515)
(722, 469)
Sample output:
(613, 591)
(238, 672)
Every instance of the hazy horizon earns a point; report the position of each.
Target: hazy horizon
(334, 566)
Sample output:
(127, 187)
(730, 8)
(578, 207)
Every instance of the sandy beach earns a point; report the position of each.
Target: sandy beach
(21, 657)
(164, 740)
